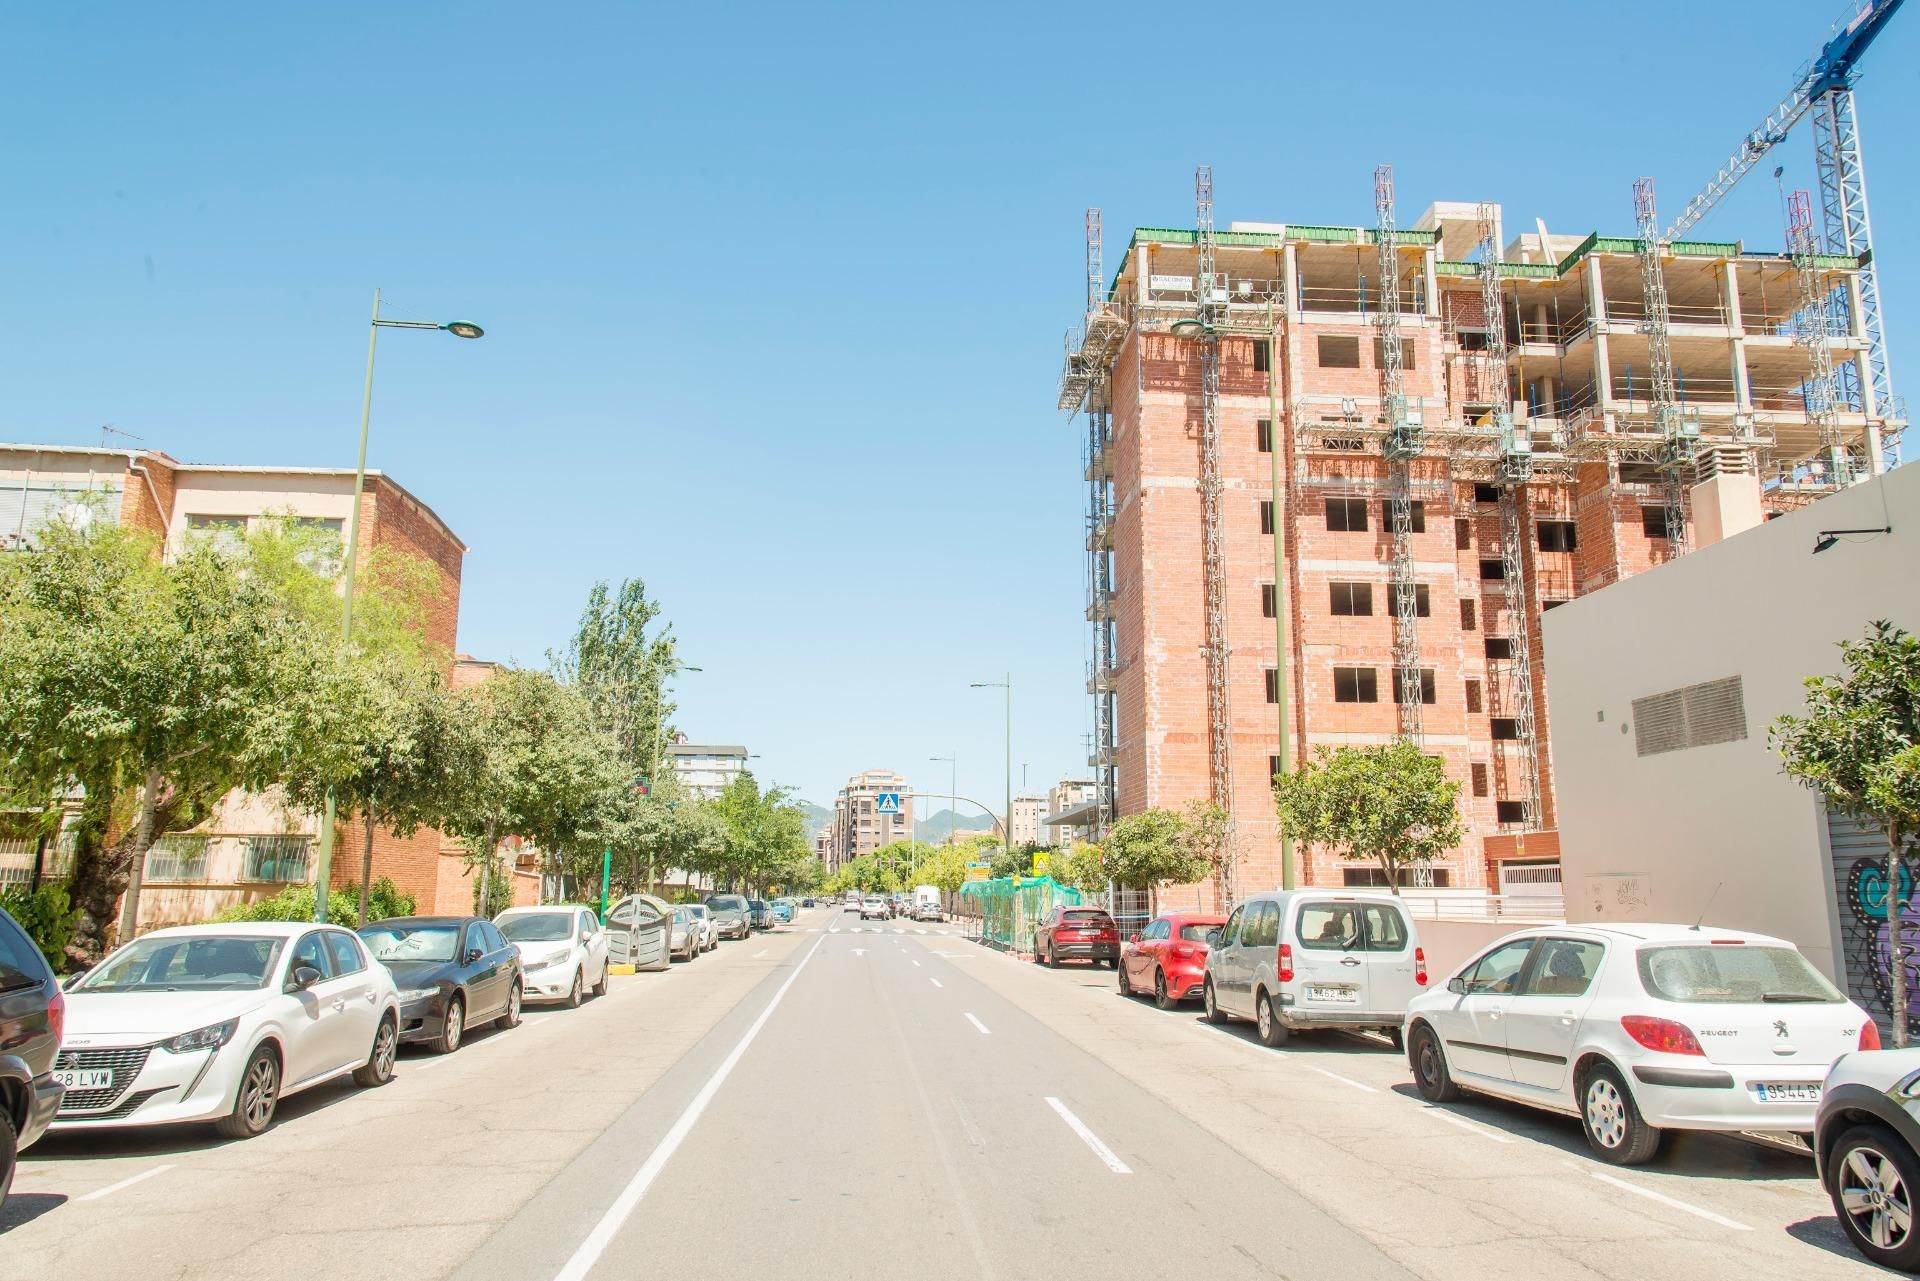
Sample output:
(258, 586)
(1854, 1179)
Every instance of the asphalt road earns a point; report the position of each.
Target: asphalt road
(842, 1101)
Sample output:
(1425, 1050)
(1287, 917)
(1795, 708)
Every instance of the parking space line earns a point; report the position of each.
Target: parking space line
(1671, 1202)
(1087, 1136)
(1344, 1080)
(1468, 1126)
(978, 1024)
(111, 1188)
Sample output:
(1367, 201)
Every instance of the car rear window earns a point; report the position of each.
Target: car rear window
(21, 964)
(1084, 919)
(1196, 933)
(1732, 974)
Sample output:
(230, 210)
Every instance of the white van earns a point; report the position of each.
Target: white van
(926, 903)
(1291, 960)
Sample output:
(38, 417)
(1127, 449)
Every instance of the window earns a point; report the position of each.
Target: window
(1473, 696)
(1566, 968)
(1505, 729)
(1266, 516)
(1267, 604)
(866, 807)
(589, 926)
(1347, 515)
(1263, 926)
(1263, 430)
(1273, 767)
(1510, 811)
(1351, 600)
(1409, 354)
(1355, 685)
(1231, 934)
(1383, 928)
(1462, 534)
(1653, 522)
(1372, 878)
(1330, 927)
(345, 951)
(1262, 355)
(1466, 615)
(1484, 493)
(1499, 648)
(1155, 930)
(1743, 975)
(1422, 601)
(1426, 685)
(275, 858)
(226, 533)
(1339, 352)
(1417, 511)
(1557, 535)
(19, 958)
(1492, 571)
(181, 856)
(309, 952)
(1499, 970)
(1478, 772)
(1273, 685)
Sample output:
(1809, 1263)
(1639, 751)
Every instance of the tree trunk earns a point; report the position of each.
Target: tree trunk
(486, 871)
(1896, 952)
(136, 862)
(366, 864)
(1393, 875)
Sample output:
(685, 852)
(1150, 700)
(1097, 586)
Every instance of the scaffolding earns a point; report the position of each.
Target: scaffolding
(1679, 435)
(1403, 444)
(1811, 328)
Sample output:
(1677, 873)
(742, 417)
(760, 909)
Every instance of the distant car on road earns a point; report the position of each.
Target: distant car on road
(783, 908)
(33, 1011)
(873, 908)
(563, 950)
(1866, 1146)
(731, 914)
(220, 1022)
(452, 972)
(1169, 957)
(1075, 934)
(1638, 1029)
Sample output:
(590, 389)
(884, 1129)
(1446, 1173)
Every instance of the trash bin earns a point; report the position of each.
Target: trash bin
(639, 933)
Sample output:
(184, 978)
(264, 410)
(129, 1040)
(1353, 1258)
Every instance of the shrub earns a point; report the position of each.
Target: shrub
(295, 903)
(47, 915)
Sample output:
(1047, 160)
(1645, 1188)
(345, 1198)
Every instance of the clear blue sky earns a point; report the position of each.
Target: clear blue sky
(774, 294)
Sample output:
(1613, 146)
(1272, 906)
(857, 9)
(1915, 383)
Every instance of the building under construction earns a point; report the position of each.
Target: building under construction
(1336, 474)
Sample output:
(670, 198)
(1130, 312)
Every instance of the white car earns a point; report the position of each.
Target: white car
(563, 952)
(1637, 1029)
(687, 937)
(709, 928)
(220, 1022)
(873, 907)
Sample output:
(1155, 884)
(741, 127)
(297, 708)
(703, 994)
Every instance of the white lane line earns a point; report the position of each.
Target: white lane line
(1672, 1202)
(836, 929)
(1344, 1080)
(111, 1188)
(916, 964)
(978, 1024)
(763, 952)
(622, 1209)
(1468, 1126)
(1087, 1136)
(936, 982)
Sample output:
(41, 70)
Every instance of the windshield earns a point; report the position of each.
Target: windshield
(411, 942)
(538, 927)
(728, 903)
(698, 910)
(200, 963)
(1728, 974)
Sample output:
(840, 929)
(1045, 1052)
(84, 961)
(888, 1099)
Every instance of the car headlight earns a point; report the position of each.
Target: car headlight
(211, 1037)
(409, 995)
(547, 964)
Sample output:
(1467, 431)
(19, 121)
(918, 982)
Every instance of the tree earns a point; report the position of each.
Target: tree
(1081, 866)
(945, 867)
(621, 669)
(1158, 846)
(764, 830)
(1859, 747)
(1388, 804)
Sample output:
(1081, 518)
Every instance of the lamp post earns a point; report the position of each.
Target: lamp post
(953, 783)
(1006, 826)
(323, 864)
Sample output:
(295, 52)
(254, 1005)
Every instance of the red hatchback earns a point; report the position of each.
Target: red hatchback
(1168, 958)
(1076, 933)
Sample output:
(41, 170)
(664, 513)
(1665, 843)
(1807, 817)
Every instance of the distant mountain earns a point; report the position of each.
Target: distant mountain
(936, 825)
(818, 817)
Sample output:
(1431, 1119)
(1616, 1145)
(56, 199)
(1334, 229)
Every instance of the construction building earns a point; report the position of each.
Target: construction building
(875, 808)
(1336, 475)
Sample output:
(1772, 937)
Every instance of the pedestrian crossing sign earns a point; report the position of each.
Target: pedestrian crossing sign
(887, 803)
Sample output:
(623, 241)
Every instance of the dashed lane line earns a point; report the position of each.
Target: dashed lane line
(978, 1025)
(1087, 1136)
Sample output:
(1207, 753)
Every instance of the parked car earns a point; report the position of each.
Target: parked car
(1638, 1029)
(732, 914)
(806, 902)
(760, 914)
(1866, 1147)
(33, 1011)
(688, 935)
(452, 971)
(1075, 933)
(1169, 957)
(873, 908)
(709, 928)
(1293, 960)
(783, 909)
(926, 903)
(220, 1022)
(639, 931)
(563, 951)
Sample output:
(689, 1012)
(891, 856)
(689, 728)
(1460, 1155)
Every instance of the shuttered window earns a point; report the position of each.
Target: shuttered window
(1692, 716)
(26, 507)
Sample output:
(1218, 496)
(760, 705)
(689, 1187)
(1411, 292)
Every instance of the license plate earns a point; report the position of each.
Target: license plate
(1336, 995)
(90, 1079)
(1787, 1091)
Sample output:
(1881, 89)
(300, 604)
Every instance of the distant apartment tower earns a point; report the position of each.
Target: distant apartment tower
(861, 824)
(1073, 806)
(1025, 828)
(706, 769)
(1245, 549)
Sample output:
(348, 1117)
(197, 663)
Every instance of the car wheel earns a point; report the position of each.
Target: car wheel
(378, 1069)
(1872, 1177)
(600, 988)
(254, 1101)
(1160, 997)
(1213, 1011)
(1266, 1020)
(1612, 1119)
(510, 1017)
(1429, 1064)
(454, 1028)
(9, 1154)
(1126, 988)
(574, 992)
(1053, 962)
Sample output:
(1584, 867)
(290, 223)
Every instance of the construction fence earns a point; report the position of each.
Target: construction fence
(1002, 912)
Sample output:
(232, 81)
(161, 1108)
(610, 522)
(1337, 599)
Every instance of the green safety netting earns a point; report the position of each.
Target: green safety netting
(1005, 909)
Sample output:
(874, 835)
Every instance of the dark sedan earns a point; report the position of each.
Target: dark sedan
(452, 971)
(32, 1008)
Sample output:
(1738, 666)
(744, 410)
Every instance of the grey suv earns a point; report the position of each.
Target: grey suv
(732, 915)
(32, 1011)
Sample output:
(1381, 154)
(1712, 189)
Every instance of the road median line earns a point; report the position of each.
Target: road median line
(1087, 1136)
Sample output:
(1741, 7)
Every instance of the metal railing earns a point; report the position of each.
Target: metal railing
(276, 858)
(1470, 905)
(179, 857)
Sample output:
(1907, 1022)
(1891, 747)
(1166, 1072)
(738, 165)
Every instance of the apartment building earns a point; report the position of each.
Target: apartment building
(862, 818)
(705, 769)
(1025, 826)
(1073, 812)
(1292, 538)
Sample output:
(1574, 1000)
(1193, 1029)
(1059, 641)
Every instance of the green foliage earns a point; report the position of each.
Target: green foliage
(764, 835)
(497, 888)
(1081, 866)
(620, 668)
(46, 915)
(295, 903)
(1158, 846)
(1388, 804)
(944, 866)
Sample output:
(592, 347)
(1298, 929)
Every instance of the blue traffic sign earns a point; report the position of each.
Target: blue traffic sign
(887, 803)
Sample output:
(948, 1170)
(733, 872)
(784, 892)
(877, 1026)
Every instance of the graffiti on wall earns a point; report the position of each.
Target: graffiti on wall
(1869, 952)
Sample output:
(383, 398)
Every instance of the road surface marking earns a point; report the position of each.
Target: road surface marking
(1087, 1136)
(916, 965)
(936, 982)
(622, 1209)
(834, 930)
(899, 931)
(978, 1024)
(1674, 1202)
(859, 951)
(762, 952)
(1344, 1080)
(112, 1188)
(1468, 1126)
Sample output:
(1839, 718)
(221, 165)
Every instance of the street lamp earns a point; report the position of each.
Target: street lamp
(1006, 827)
(953, 782)
(323, 870)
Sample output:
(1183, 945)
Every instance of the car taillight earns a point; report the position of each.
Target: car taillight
(1286, 963)
(1663, 1035)
(1184, 951)
(1420, 966)
(57, 1016)
(1869, 1035)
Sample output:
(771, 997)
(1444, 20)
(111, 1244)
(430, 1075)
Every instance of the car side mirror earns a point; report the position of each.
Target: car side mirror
(474, 954)
(1213, 936)
(304, 977)
(1133, 938)
(1457, 986)
(72, 981)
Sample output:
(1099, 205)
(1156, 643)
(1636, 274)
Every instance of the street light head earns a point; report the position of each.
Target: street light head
(463, 329)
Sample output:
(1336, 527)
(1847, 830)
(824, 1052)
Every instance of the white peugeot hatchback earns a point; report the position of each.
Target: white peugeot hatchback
(1637, 1029)
(220, 1022)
